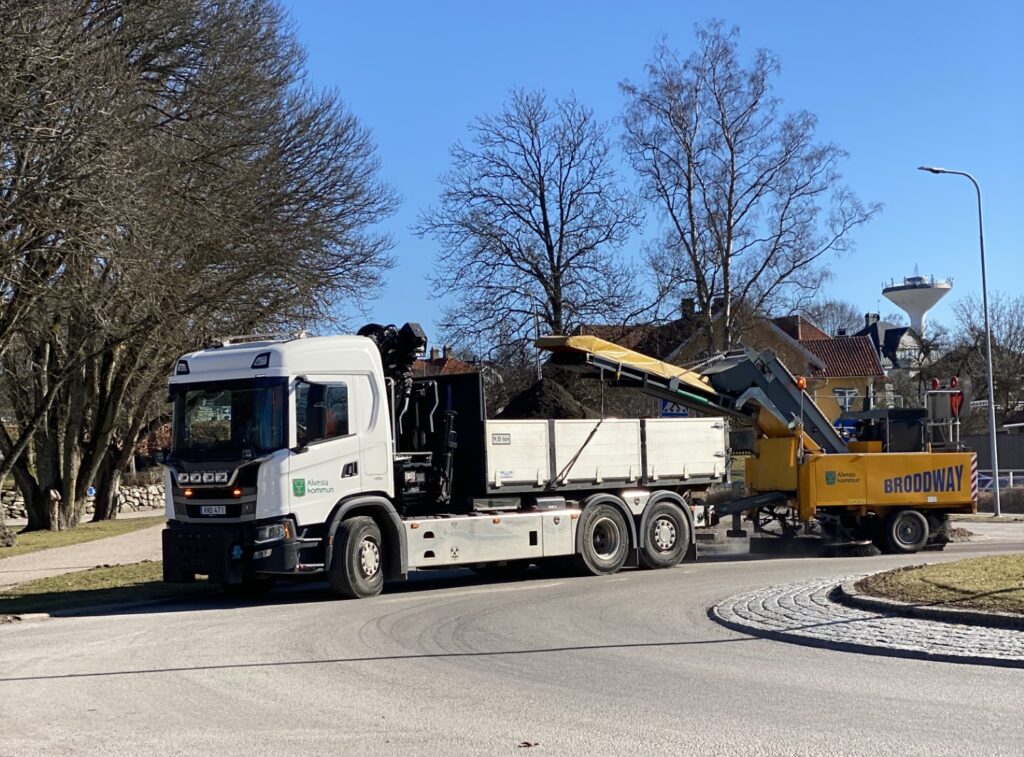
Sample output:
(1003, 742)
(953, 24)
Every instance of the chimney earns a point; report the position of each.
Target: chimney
(870, 318)
(687, 307)
(841, 332)
(447, 351)
(434, 353)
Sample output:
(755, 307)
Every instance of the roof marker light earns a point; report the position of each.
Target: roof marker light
(261, 361)
(182, 368)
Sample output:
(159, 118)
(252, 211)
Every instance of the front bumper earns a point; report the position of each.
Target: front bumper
(225, 552)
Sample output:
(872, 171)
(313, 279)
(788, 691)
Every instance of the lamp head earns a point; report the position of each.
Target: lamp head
(931, 169)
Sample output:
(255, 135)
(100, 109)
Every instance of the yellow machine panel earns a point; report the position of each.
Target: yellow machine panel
(865, 446)
(924, 480)
(774, 468)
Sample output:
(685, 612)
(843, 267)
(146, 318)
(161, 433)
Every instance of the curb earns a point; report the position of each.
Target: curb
(847, 594)
(846, 646)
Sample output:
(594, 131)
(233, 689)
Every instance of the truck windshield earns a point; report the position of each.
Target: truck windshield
(220, 419)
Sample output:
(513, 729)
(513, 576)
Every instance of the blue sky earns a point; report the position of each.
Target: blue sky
(896, 84)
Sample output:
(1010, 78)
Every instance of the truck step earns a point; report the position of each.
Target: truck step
(309, 567)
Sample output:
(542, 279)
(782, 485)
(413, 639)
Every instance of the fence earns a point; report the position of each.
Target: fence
(1008, 478)
(1009, 446)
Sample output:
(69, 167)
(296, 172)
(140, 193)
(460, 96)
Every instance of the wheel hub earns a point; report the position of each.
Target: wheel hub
(909, 531)
(663, 532)
(605, 538)
(369, 557)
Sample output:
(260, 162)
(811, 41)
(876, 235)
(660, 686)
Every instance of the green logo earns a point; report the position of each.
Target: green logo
(830, 477)
(299, 487)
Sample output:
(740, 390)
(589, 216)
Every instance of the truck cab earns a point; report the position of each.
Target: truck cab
(269, 434)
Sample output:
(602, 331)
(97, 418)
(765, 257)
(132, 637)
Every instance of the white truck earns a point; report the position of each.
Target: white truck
(325, 455)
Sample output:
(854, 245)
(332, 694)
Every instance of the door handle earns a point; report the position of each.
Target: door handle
(349, 470)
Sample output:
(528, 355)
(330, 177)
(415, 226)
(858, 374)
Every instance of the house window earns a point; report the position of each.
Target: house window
(844, 398)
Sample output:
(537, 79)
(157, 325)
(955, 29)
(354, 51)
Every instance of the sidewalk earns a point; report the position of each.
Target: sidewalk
(115, 550)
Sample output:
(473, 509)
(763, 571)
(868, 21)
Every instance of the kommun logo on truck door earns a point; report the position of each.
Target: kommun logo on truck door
(299, 487)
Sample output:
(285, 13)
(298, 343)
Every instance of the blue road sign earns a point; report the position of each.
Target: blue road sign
(674, 410)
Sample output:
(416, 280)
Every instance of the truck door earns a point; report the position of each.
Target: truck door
(325, 467)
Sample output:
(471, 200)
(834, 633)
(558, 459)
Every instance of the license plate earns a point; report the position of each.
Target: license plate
(213, 510)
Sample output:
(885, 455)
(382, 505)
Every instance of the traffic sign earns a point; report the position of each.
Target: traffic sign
(674, 410)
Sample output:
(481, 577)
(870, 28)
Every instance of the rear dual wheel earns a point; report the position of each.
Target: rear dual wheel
(666, 536)
(604, 540)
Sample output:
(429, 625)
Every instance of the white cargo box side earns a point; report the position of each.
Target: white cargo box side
(683, 448)
(518, 454)
(611, 454)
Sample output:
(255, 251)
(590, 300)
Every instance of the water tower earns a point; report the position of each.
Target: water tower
(916, 295)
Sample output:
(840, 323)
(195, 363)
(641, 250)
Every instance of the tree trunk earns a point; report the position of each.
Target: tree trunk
(107, 489)
(41, 514)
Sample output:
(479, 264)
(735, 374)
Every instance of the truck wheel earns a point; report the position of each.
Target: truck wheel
(666, 536)
(605, 541)
(357, 564)
(906, 532)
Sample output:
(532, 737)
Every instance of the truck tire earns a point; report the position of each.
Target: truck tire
(357, 565)
(604, 542)
(905, 532)
(666, 536)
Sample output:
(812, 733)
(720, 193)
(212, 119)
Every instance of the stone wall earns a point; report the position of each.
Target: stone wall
(129, 499)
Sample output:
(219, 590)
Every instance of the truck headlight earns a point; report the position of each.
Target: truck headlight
(273, 532)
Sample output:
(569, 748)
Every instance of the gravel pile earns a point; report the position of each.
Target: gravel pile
(545, 399)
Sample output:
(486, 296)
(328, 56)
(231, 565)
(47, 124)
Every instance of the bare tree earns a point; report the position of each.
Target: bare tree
(221, 195)
(530, 219)
(740, 185)
(833, 316)
(1006, 319)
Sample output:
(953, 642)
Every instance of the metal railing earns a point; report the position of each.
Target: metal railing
(1007, 478)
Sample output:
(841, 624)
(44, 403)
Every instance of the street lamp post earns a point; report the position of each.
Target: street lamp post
(988, 339)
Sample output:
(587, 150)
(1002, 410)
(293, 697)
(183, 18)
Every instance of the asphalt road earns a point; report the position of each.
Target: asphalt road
(448, 664)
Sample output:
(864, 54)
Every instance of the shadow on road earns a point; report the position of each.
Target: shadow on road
(156, 597)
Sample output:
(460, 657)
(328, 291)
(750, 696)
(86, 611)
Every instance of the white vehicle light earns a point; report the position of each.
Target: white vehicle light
(182, 478)
(273, 532)
(222, 477)
(208, 478)
(195, 478)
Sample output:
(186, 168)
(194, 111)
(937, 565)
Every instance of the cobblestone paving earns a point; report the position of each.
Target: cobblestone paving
(804, 613)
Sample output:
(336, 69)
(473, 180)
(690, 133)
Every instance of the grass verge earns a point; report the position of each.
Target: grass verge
(33, 541)
(97, 587)
(995, 584)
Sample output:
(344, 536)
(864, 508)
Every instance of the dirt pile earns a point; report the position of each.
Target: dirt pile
(545, 399)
